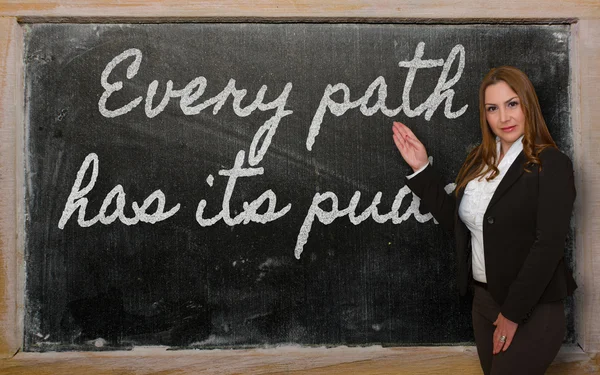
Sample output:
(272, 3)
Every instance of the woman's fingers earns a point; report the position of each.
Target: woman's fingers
(415, 143)
(406, 149)
(411, 149)
(497, 342)
(503, 334)
(411, 144)
(509, 339)
(496, 339)
(399, 130)
(404, 130)
(502, 341)
(397, 133)
(400, 144)
(407, 134)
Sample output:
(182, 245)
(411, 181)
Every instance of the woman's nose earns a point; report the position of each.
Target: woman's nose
(503, 115)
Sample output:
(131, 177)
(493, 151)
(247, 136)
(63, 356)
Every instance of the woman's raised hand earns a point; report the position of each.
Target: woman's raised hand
(411, 149)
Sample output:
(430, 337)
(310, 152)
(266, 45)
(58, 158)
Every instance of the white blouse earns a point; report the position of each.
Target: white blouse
(477, 197)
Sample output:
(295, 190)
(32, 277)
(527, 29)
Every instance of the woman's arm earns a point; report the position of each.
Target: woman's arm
(427, 184)
(556, 194)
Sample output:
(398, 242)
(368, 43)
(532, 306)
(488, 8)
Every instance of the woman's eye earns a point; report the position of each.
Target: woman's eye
(513, 104)
(491, 109)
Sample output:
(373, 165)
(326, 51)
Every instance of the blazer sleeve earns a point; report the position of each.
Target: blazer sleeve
(429, 187)
(556, 194)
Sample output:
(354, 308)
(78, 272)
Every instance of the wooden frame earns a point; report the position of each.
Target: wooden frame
(585, 54)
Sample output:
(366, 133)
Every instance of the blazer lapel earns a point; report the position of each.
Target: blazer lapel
(512, 175)
(463, 248)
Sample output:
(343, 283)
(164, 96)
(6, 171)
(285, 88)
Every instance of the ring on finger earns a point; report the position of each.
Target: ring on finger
(502, 339)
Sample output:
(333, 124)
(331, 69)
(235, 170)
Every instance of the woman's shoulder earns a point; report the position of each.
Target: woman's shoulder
(554, 158)
(553, 154)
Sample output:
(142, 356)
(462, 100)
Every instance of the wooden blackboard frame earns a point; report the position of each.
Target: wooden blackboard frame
(585, 80)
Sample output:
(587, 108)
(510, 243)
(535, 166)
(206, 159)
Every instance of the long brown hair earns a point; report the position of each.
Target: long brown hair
(483, 158)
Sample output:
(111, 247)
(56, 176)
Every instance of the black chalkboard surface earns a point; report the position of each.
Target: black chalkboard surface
(234, 185)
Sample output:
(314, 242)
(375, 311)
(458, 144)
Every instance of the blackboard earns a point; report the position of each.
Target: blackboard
(254, 180)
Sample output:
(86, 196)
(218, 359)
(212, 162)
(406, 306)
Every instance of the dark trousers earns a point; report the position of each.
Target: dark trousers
(534, 346)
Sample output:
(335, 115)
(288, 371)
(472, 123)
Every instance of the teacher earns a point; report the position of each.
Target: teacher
(510, 215)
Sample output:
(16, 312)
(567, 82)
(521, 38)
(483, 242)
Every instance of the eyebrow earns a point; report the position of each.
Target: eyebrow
(514, 97)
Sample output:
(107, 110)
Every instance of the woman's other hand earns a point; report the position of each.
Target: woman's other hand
(504, 333)
(411, 149)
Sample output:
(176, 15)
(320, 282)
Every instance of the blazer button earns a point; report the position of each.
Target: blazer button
(490, 220)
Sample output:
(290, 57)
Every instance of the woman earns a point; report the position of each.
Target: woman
(510, 214)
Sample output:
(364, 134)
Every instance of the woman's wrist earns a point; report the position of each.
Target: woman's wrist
(417, 171)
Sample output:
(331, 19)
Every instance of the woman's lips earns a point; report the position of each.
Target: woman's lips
(509, 129)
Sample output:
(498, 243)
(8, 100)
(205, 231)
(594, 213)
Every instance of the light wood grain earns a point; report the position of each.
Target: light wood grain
(283, 360)
(310, 9)
(589, 191)
(11, 108)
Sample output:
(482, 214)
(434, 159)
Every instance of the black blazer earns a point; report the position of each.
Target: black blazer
(524, 231)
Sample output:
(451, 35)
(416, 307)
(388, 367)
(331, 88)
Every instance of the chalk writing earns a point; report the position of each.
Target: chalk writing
(250, 213)
(189, 96)
(442, 91)
(109, 88)
(77, 201)
(327, 217)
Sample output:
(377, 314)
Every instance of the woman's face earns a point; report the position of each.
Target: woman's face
(504, 113)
